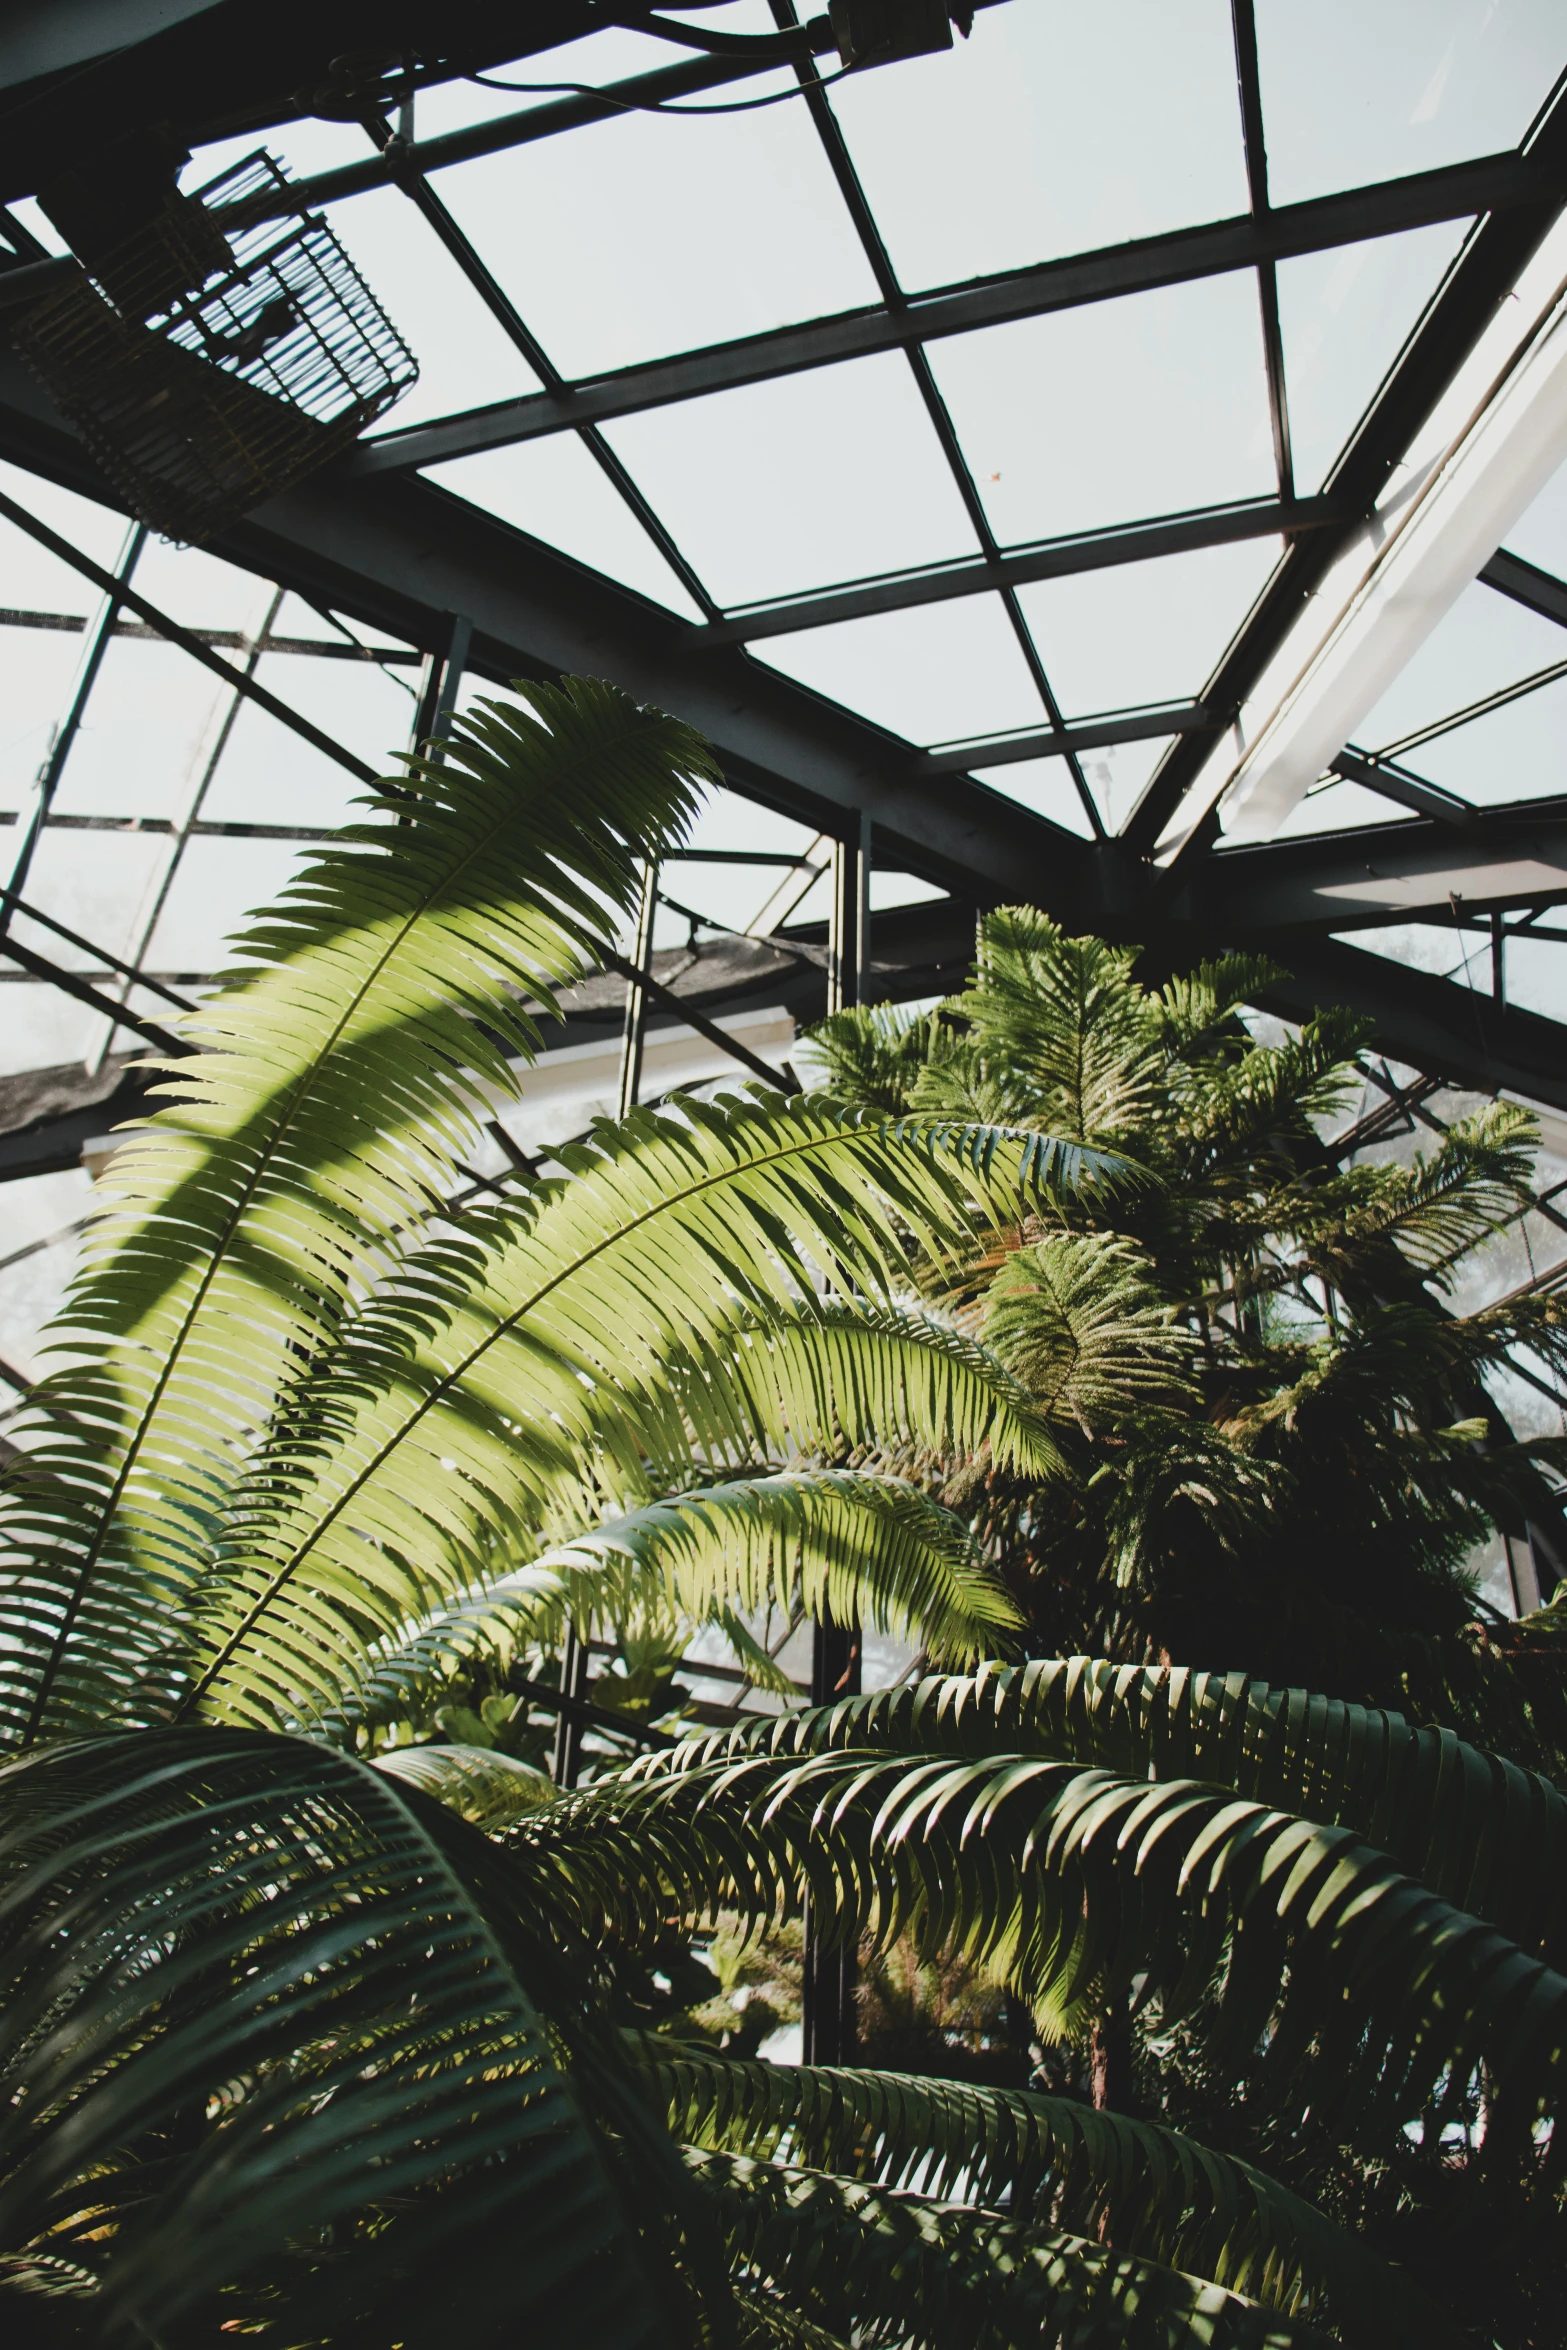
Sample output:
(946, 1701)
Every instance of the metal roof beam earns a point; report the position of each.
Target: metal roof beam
(1428, 1023)
(1397, 872)
(1496, 183)
(1098, 550)
(1542, 593)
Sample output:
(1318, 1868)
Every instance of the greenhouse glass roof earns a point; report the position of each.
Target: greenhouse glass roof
(964, 443)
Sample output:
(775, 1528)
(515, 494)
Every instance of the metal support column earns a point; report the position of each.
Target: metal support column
(848, 927)
(568, 1727)
(438, 688)
(828, 2034)
(637, 994)
(98, 637)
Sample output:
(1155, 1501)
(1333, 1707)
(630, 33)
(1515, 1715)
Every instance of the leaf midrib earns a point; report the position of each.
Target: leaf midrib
(607, 1241)
(306, 1084)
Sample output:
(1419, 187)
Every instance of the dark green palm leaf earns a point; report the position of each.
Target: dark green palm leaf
(877, 2267)
(1149, 2191)
(263, 2012)
(335, 1089)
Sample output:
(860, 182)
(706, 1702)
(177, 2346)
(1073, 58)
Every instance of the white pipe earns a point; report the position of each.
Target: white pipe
(1490, 446)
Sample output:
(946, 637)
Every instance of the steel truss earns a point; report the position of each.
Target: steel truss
(385, 549)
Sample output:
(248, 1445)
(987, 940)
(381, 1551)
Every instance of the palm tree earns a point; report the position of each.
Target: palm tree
(1279, 1443)
(291, 2048)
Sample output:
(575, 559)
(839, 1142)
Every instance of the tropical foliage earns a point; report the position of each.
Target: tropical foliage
(1279, 1444)
(324, 2015)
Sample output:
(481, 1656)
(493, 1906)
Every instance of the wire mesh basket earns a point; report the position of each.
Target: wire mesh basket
(209, 370)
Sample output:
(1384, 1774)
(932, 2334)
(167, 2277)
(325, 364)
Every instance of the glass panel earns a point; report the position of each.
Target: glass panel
(1429, 946)
(1145, 405)
(1537, 975)
(1541, 536)
(1344, 316)
(939, 673)
(219, 882)
(149, 727)
(795, 484)
(1118, 776)
(36, 1207)
(730, 896)
(201, 591)
(651, 234)
(1046, 786)
(1144, 632)
(1519, 752)
(1149, 138)
(1361, 90)
(38, 668)
(1484, 642)
(269, 775)
(93, 881)
(1337, 807)
(556, 491)
(888, 889)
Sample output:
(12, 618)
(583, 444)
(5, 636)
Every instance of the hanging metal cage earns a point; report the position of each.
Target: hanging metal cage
(209, 366)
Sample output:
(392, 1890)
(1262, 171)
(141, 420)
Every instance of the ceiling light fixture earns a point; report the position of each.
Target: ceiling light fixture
(1489, 447)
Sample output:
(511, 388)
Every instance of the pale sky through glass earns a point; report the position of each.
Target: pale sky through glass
(1056, 130)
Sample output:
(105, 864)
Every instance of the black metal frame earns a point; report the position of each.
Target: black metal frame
(374, 541)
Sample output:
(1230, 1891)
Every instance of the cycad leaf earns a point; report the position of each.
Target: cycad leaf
(1483, 1833)
(515, 1368)
(871, 1548)
(1149, 2191)
(1316, 1964)
(477, 1782)
(1080, 1320)
(337, 1086)
(906, 2269)
(261, 2009)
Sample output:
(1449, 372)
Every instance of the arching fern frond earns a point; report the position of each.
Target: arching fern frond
(509, 1373)
(266, 2014)
(906, 2269)
(1309, 1962)
(339, 1076)
(1152, 2192)
(1477, 1829)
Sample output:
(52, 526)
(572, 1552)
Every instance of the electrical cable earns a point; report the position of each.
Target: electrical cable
(654, 105)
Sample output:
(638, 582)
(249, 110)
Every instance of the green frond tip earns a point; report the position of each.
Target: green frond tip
(871, 1549)
(905, 2268)
(375, 1015)
(479, 1783)
(867, 1548)
(1149, 2191)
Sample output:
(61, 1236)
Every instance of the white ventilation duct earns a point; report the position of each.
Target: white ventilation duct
(1489, 448)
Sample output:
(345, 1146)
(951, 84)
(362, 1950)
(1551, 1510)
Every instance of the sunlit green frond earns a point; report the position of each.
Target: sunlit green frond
(1079, 1319)
(874, 1549)
(1435, 1208)
(1195, 1003)
(477, 1782)
(907, 2269)
(872, 1055)
(336, 1086)
(1061, 1027)
(1317, 1965)
(515, 1374)
(266, 2016)
(1475, 1828)
(1149, 2191)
